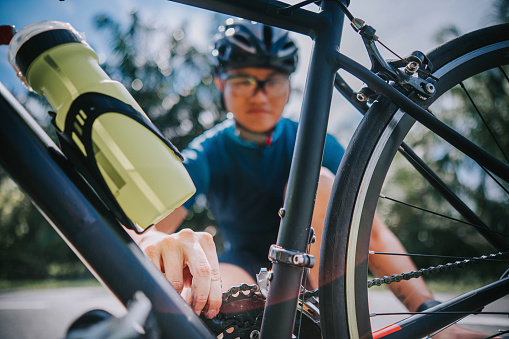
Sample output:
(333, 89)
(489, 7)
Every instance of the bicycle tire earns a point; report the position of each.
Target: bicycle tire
(344, 253)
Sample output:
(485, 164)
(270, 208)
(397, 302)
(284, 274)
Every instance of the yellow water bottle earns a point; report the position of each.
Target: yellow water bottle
(102, 130)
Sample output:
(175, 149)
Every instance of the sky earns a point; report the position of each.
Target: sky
(404, 25)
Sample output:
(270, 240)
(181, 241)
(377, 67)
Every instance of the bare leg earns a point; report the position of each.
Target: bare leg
(232, 275)
(322, 199)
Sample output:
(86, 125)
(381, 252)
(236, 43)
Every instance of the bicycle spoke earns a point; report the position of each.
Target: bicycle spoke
(484, 121)
(495, 180)
(479, 227)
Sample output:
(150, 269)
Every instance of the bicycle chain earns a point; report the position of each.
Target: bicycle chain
(242, 311)
(436, 269)
(241, 288)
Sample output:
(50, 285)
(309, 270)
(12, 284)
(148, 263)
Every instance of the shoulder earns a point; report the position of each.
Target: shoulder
(218, 131)
(333, 153)
(286, 128)
(288, 124)
(332, 141)
(208, 139)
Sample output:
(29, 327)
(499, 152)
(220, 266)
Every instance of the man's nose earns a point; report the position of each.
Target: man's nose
(259, 91)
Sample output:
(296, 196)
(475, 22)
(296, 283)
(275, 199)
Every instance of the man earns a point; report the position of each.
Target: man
(242, 164)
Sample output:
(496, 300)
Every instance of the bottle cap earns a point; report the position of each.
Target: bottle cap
(33, 40)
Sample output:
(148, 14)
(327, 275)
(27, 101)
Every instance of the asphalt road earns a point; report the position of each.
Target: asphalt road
(47, 313)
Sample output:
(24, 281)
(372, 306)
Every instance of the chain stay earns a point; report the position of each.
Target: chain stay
(434, 270)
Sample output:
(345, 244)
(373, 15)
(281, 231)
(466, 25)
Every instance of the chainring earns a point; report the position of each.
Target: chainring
(242, 310)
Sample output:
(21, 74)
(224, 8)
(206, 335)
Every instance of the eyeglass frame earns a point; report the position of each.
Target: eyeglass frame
(260, 84)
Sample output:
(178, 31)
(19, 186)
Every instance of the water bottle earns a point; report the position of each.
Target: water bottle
(136, 171)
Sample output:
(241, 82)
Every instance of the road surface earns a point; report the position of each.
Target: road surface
(46, 313)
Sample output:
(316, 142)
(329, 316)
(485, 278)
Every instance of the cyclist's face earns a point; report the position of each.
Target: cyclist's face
(255, 96)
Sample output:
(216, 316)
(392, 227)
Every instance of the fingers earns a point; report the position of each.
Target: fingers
(198, 251)
(164, 251)
(189, 259)
(215, 293)
(173, 262)
(200, 271)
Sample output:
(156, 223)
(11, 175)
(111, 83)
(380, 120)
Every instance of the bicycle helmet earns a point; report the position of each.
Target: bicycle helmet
(242, 43)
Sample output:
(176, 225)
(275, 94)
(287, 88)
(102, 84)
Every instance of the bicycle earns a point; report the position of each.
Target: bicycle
(410, 84)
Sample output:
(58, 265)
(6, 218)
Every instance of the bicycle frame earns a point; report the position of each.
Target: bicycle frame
(78, 216)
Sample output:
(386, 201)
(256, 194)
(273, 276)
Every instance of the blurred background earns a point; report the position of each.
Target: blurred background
(160, 51)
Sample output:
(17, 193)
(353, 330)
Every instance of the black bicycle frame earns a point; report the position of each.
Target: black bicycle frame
(79, 217)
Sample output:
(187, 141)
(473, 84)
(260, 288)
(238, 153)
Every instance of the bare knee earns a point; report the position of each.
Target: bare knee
(326, 179)
(233, 275)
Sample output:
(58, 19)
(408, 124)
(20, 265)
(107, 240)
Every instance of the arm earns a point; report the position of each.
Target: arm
(172, 222)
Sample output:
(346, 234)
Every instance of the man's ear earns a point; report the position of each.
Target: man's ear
(220, 87)
(219, 84)
(289, 92)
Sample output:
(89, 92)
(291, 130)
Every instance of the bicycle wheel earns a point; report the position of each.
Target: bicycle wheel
(371, 169)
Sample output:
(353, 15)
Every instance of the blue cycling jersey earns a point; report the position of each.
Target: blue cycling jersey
(244, 182)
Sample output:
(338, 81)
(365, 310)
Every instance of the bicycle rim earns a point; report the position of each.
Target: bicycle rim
(371, 156)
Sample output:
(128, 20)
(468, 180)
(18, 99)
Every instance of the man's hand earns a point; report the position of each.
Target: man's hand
(189, 261)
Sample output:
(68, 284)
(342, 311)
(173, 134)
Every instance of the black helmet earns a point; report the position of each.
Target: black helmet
(243, 43)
